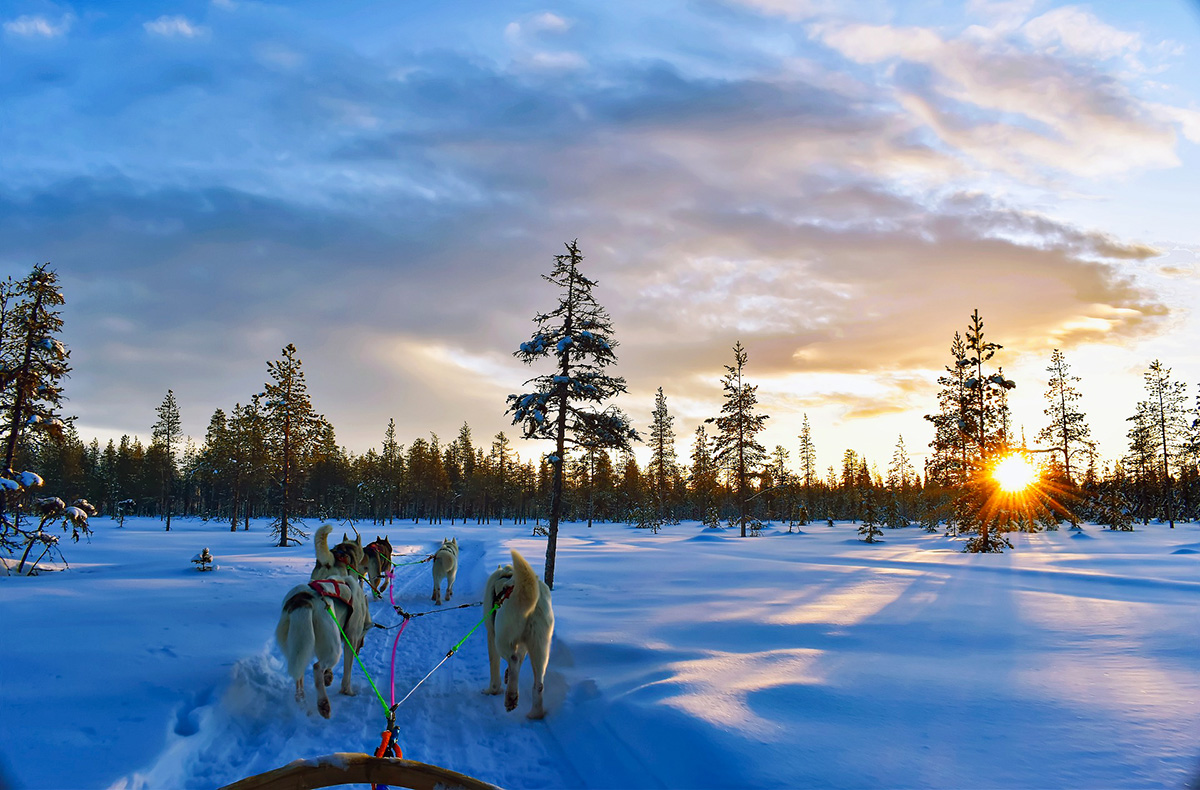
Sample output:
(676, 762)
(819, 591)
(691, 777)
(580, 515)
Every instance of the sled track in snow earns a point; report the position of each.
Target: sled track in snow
(255, 724)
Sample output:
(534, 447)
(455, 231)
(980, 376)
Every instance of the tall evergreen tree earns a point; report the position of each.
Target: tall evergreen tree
(702, 476)
(564, 405)
(663, 462)
(1068, 431)
(391, 458)
(737, 447)
(291, 430)
(1167, 413)
(166, 435)
(809, 476)
(33, 363)
(950, 445)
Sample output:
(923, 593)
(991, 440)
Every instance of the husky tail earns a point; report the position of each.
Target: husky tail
(296, 635)
(321, 542)
(526, 589)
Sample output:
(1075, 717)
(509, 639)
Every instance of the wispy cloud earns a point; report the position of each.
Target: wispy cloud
(175, 27)
(31, 26)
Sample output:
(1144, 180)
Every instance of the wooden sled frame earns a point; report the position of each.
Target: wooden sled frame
(344, 768)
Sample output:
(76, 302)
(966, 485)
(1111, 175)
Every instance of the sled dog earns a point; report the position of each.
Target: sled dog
(348, 554)
(379, 562)
(306, 630)
(523, 624)
(445, 566)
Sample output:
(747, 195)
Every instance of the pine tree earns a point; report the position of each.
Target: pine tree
(736, 445)
(1167, 414)
(662, 469)
(502, 459)
(1068, 431)
(392, 469)
(564, 406)
(808, 458)
(869, 528)
(950, 443)
(249, 459)
(702, 476)
(291, 430)
(166, 435)
(33, 363)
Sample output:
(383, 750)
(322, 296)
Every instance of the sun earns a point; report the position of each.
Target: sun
(1014, 473)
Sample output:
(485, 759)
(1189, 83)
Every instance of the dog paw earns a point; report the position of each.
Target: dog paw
(537, 713)
(492, 690)
(349, 691)
(323, 708)
(510, 701)
(329, 677)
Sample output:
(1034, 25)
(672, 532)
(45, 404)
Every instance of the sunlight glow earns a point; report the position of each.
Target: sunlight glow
(1014, 473)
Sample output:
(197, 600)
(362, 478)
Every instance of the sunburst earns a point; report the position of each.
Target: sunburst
(1014, 473)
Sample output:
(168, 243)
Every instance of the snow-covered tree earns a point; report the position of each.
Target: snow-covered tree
(166, 434)
(33, 361)
(737, 449)
(1068, 431)
(564, 406)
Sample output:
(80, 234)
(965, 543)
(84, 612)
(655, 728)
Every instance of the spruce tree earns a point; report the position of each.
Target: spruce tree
(1068, 431)
(736, 446)
(33, 363)
(291, 430)
(564, 406)
(808, 458)
(1166, 412)
(702, 478)
(663, 466)
(869, 528)
(166, 435)
(950, 445)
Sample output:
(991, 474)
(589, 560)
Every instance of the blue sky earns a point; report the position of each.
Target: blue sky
(836, 185)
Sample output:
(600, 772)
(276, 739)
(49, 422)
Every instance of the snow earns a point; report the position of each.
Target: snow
(690, 658)
(29, 480)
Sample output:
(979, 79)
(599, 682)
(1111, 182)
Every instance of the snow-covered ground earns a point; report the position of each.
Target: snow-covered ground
(691, 658)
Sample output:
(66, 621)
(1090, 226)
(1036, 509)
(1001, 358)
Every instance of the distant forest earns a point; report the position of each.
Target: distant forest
(274, 455)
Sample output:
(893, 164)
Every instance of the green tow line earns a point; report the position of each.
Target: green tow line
(353, 652)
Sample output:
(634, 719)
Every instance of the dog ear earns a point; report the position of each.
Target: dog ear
(345, 538)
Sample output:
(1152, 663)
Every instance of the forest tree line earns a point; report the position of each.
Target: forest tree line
(274, 455)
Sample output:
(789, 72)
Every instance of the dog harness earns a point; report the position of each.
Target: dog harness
(333, 588)
(384, 559)
(340, 555)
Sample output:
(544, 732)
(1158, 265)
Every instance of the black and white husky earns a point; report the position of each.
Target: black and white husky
(307, 631)
(524, 623)
(445, 566)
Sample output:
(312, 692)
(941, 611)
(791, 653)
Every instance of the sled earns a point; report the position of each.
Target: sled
(344, 768)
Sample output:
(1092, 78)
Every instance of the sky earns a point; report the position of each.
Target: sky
(836, 186)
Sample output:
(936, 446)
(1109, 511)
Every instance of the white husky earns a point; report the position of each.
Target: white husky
(445, 566)
(524, 623)
(307, 631)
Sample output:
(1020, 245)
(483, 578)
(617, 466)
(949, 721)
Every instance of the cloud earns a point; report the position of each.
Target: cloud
(1077, 32)
(840, 220)
(1013, 109)
(175, 27)
(548, 22)
(30, 26)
